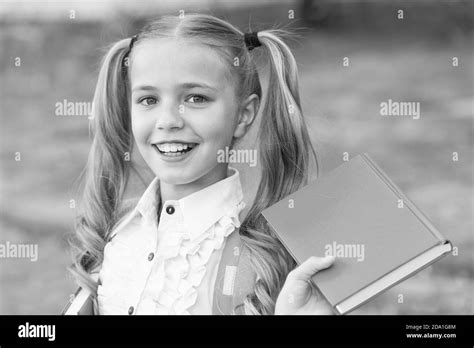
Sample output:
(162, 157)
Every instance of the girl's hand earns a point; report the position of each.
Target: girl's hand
(298, 296)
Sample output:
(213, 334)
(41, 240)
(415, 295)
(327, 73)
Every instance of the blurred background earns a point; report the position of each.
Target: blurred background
(409, 59)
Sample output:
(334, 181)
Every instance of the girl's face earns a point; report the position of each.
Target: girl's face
(184, 110)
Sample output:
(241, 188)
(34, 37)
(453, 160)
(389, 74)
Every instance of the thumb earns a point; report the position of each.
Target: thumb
(311, 266)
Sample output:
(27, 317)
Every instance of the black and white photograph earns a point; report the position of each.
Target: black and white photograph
(308, 159)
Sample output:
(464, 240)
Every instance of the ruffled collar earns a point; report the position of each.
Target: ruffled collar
(201, 209)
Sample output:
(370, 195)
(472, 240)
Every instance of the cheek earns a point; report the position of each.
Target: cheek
(220, 125)
(140, 128)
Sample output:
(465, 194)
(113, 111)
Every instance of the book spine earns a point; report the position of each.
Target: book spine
(342, 311)
(416, 211)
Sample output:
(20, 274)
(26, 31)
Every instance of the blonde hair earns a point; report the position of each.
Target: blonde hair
(285, 150)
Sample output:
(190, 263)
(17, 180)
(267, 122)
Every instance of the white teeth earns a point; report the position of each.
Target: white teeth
(173, 147)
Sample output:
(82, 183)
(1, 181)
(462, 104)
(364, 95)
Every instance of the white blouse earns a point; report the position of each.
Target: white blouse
(170, 267)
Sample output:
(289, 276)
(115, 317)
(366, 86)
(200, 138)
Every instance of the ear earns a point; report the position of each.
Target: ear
(248, 112)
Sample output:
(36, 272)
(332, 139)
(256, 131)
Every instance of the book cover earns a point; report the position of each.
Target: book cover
(356, 213)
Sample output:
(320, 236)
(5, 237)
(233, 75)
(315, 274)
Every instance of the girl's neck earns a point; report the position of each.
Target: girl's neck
(176, 192)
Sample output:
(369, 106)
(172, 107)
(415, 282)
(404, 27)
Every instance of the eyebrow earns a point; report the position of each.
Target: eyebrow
(187, 85)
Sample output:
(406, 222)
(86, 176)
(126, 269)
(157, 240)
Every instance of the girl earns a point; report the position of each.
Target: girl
(183, 89)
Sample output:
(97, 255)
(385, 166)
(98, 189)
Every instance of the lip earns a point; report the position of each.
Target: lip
(174, 141)
(178, 158)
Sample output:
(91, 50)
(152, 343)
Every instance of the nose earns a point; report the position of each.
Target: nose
(169, 116)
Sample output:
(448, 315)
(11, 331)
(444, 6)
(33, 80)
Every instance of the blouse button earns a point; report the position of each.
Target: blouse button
(151, 256)
(130, 310)
(170, 209)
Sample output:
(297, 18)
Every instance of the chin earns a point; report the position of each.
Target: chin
(176, 176)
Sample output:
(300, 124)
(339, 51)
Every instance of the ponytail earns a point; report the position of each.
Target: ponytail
(285, 152)
(106, 173)
(286, 147)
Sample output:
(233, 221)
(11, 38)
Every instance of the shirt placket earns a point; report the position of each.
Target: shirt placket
(169, 223)
(145, 262)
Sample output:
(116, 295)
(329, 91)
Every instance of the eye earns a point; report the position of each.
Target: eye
(147, 101)
(197, 99)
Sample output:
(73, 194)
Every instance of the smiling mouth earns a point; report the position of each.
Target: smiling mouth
(174, 149)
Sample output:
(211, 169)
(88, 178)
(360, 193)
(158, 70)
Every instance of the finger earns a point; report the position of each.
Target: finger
(312, 265)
